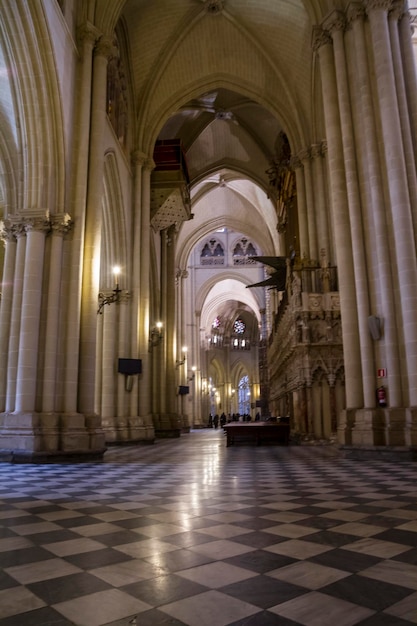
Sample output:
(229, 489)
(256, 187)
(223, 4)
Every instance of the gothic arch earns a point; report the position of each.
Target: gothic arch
(40, 141)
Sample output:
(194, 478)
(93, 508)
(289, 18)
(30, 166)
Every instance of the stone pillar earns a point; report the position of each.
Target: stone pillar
(7, 289)
(340, 210)
(336, 24)
(409, 65)
(304, 248)
(169, 418)
(312, 231)
(60, 224)
(15, 320)
(185, 340)
(320, 201)
(92, 241)
(406, 115)
(145, 323)
(87, 35)
(380, 260)
(398, 190)
(107, 407)
(138, 159)
(160, 399)
(27, 368)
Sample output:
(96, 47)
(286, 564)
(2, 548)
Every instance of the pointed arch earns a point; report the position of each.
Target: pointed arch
(37, 103)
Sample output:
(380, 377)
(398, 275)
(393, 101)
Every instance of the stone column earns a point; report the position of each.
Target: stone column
(7, 289)
(406, 116)
(171, 347)
(93, 227)
(312, 231)
(61, 224)
(409, 67)
(160, 399)
(138, 159)
(27, 368)
(340, 210)
(145, 406)
(87, 35)
(380, 260)
(186, 340)
(320, 204)
(398, 190)
(107, 407)
(336, 24)
(15, 321)
(304, 248)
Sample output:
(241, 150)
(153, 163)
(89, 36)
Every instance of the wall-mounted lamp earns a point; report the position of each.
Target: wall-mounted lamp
(155, 336)
(114, 297)
(182, 361)
(193, 371)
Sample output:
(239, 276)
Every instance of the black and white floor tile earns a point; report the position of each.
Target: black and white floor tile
(188, 532)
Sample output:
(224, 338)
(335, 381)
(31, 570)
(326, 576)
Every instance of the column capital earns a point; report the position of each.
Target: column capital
(105, 47)
(61, 224)
(7, 231)
(397, 10)
(335, 22)
(37, 224)
(295, 162)
(140, 158)
(87, 33)
(181, 273)
(320, 38)
(30, 220)
(317, 150)
(377, 5)
(304, 155)
(355, 11)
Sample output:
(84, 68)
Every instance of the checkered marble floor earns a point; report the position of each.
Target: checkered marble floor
(188, 532)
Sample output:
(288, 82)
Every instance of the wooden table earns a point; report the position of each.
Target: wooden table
(257, 432)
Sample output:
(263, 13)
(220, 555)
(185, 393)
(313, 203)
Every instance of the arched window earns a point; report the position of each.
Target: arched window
(212, 253)
(242, 252)
(244, 396)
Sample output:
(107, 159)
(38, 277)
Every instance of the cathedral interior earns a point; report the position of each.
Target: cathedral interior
(208, 209)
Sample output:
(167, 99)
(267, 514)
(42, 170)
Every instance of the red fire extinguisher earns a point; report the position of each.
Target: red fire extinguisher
(381, 396)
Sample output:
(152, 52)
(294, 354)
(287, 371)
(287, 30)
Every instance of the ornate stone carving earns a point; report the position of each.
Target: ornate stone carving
(355, 11)
(7, 231)
(61, 224)
(105, 47)
(383, 5)
(37, 224)
(320, 38)
(295, 162)
(336, 21)
(87, 33)
(397, 10)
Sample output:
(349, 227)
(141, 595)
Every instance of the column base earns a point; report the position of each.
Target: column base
(128, 430)
(46, 437)
(377, 428)
(167, 425)
(384, 453)
(185, 423)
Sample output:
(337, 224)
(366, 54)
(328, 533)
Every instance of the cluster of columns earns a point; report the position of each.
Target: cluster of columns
(35, 417)
(369, 93)
(313, 216)
(60, 377)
